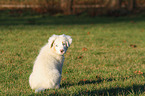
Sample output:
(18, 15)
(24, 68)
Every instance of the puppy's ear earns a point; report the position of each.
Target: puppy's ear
(51, 40)
(69, 40)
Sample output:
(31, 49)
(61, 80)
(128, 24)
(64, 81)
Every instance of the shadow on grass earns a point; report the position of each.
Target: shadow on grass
(84, 82)
(134, 90)
(81, 82)
(98, 80)
(6, 20)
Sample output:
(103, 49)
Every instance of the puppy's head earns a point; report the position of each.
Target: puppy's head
(59, 43)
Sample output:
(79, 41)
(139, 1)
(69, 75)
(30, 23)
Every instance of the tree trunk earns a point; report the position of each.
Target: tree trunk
(66, 6)
(114, 4)
(131, 5)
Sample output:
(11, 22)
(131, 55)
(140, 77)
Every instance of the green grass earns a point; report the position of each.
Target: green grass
(113, 64)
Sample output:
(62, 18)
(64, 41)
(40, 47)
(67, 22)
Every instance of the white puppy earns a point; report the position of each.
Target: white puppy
(47, 68)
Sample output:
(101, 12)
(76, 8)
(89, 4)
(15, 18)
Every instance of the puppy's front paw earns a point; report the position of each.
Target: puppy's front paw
(57, 86)
(39, 89)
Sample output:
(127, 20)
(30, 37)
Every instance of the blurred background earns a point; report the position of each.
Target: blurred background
(76, 7)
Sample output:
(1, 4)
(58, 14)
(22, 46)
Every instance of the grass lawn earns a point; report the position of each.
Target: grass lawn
(106, 58)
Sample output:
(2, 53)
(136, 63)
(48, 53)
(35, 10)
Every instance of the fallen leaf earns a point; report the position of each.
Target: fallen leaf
(142, 30)
(80, 57)
(84, 80)
(135, 71)
(63, 79)
(84, 49)
(88, 33)
(97, 76)
(133, 22)
(138, 72)
(124, 41)
(141, 72)
(87, 90)
(132, 45)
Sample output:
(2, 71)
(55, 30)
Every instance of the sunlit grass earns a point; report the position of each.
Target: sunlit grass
(105, 58)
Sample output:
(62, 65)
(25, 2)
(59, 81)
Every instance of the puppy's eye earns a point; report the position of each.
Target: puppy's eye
(56, 45)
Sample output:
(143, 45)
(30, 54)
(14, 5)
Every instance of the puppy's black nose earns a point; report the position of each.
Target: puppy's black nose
(61, 50)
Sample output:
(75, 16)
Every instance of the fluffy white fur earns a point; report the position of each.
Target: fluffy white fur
(47, 67)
